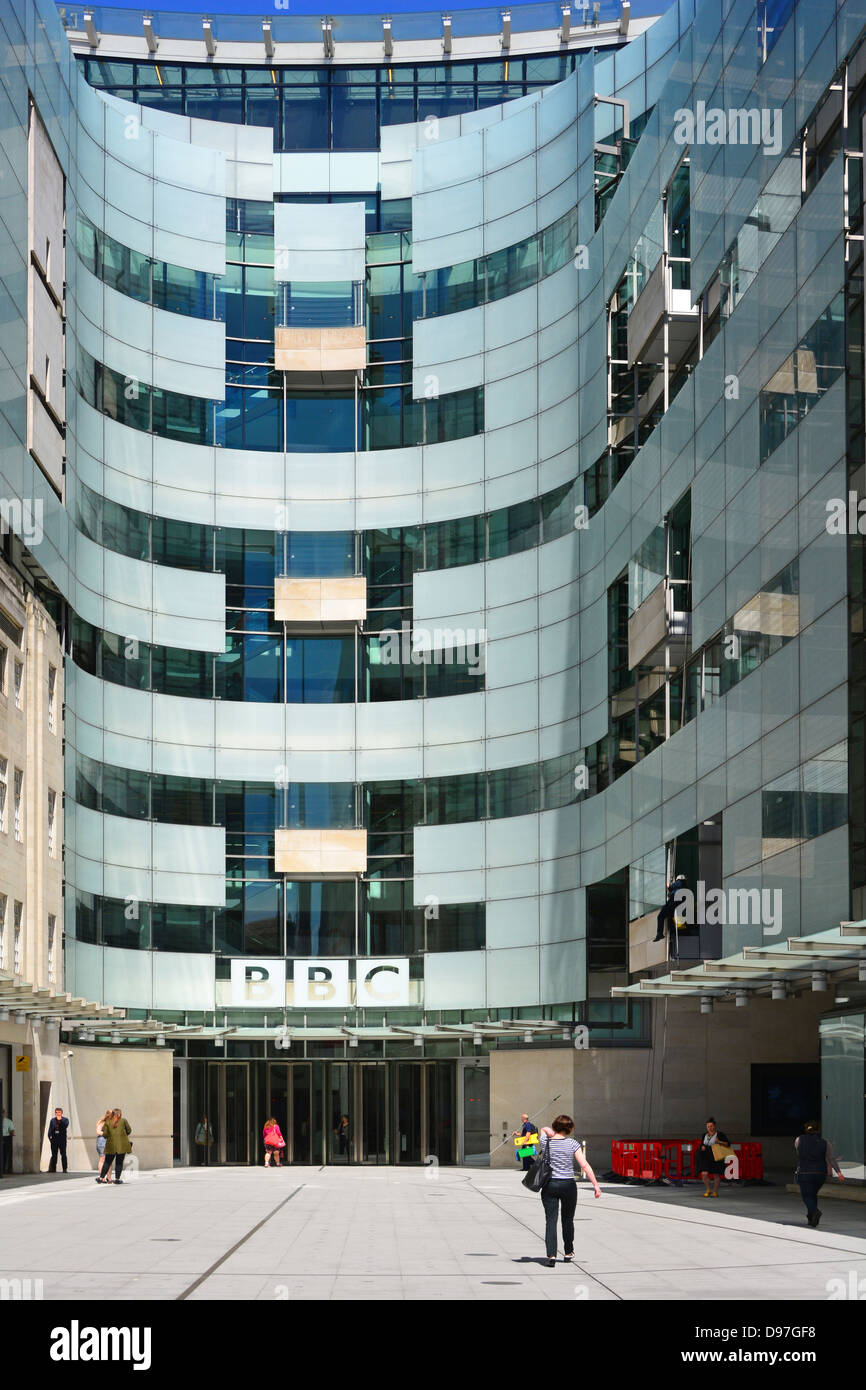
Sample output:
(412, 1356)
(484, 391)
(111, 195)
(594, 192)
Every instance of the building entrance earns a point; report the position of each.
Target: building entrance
(340, 1113)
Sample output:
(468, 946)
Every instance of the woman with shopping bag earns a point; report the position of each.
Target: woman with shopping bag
(713, 1153)
(274, 1142)
(552, 1174)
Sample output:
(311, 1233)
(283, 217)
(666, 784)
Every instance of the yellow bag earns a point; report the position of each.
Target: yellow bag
(722, 1151)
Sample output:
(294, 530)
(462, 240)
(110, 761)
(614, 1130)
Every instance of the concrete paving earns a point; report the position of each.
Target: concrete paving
(411, 1234)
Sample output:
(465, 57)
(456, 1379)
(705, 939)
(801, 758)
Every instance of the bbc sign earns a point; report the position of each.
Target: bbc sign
(320, 984)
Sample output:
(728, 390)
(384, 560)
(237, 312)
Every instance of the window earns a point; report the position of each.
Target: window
(16, 939)
(52, 824)
(19, 684)
(4, 788)
(783, 1095)
(19, 818)
(772, 17)
(52, 700)
(3, 902)
(3, 656)
(52, 954)
(803, 377)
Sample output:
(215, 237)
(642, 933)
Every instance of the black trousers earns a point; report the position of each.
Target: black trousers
(117, 1159)
(556, 1194)
(810, 1186)
(57, 1148)
(7, 1153)
(666, 915)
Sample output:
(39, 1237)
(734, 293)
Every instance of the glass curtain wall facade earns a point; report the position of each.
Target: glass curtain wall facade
(583, 471)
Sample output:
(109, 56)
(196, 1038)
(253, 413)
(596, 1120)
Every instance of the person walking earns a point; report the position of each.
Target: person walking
(707, 1166)
(560, 1192)
(274, 1142)
(100, 1141)
(816, 1162)
(8, 1135)
(526, 1127)
(117, 1145)
(57, 1139)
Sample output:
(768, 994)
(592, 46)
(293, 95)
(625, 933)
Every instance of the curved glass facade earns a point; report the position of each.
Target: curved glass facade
(477, 517)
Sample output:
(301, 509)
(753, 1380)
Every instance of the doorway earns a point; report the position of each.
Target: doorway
(341, 1113)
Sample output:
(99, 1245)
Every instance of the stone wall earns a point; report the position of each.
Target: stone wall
(699, 1065)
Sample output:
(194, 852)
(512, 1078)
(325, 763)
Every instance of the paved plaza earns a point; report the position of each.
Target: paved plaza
(406, 1234)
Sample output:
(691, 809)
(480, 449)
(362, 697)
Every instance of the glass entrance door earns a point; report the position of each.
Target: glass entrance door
(236, 1128)
(329, 1112)
(843, 1084)
(371, 1085)
(410, 1112)
(300, 1074)
(277, 1106)
(475, 1146)
(440, 1111)
(339, 1112)
(425, 1112)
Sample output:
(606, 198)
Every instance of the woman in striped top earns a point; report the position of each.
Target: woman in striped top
(561, 1190)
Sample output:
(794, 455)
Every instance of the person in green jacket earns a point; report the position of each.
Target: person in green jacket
(117, 1145)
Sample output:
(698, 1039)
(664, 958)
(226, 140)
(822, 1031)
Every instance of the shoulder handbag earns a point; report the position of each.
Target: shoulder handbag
(722, 1151)
(540, 1173)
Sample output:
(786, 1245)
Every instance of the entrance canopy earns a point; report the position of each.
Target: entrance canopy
(274, 1029)
(792, 966)
(28, 1003)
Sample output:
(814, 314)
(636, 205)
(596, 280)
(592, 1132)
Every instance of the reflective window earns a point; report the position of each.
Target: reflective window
(320, 670)
(141, 406)
(804, 377)
(320, 919)
(171, 287)
(319, 553)
(321, 108)
(807, 802)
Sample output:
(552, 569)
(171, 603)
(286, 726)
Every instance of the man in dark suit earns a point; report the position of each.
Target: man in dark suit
(57, 1139)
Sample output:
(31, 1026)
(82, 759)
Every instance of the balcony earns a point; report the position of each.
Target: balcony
(657, 300)
(314, 854)
(657, 627)
(315, 605)
(321, 356)
(643, 952)
(691, 943)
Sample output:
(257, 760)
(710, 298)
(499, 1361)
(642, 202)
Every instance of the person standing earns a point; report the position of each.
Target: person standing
(526, 1127)
(57, 1139)
(100, 1140)
(561, 1190)
(274, 1142)
(117, 1145)
(707, 1166)
(816, 1162)
(341, 1134)
(203, 1139)
(8, 1136)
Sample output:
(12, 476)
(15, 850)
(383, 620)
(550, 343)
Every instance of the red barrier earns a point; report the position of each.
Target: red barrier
(675, 1159)
(636, 1159)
